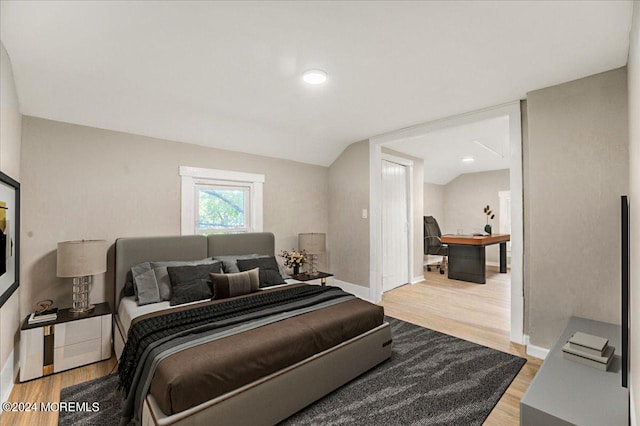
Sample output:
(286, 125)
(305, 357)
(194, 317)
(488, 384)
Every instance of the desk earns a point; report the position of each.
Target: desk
(467, 255)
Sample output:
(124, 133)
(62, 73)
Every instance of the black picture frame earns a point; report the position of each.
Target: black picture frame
(10, 283)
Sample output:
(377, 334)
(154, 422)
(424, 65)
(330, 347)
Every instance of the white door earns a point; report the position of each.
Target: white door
(395, 226)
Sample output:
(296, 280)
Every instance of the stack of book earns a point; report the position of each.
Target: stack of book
(44, 316)
(590, 350)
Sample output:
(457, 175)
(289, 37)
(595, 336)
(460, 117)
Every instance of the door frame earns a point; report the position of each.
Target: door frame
(512, 110)
(409, 185)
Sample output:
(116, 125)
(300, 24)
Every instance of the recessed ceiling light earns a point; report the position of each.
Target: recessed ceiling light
(314, 76)
(468, 160)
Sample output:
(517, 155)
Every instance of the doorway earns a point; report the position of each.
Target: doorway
(512, 111)
(395, 222)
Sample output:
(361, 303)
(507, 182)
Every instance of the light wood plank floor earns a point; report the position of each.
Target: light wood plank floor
(48, 389)
(478, 313)
(475, 312)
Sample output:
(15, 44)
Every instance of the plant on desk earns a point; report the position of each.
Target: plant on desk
(490, 215)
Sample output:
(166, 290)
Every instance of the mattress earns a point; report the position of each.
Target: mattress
(129, 309)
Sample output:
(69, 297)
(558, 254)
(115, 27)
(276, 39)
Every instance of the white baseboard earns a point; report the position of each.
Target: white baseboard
(417, 279)
(358, 290)
(535, 351)
(7, 378)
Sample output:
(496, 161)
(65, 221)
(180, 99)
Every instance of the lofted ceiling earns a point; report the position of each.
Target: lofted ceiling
(486, 141)
(228, 74)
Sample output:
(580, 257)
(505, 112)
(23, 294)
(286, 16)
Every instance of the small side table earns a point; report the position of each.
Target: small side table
(69, 341)
(322, 276)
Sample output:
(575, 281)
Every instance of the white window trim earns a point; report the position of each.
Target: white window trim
(192, 175)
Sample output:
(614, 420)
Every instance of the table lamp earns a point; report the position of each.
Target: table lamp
(81, 260)
(314, 244)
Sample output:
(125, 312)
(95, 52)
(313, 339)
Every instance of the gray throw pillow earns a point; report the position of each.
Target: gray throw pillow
(191, 283)
(231, 285)
(144, 284)
(269, 274)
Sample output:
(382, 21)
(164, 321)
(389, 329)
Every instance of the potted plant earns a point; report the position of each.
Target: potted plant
(490, 215)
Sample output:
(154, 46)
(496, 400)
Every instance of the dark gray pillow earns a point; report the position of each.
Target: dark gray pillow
(162, 276)
(128, 289)
(191, 283)
(230, 267)
(231, 285)
(269, 274)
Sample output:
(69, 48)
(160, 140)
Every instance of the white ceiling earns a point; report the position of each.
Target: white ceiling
(227, 74)
(443, 150)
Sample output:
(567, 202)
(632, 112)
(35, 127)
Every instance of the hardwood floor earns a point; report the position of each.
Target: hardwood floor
(478, 313)
(475, 312)
(48, 389)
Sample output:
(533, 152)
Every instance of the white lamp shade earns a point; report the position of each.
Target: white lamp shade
(312, 243)
(81, 258)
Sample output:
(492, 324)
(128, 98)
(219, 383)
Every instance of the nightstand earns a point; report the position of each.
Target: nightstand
(322, 276)
(67, 342)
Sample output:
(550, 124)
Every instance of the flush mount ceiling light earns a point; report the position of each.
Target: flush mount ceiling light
(314, 76)
(468, 160)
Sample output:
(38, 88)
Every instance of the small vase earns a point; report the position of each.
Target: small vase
(296, 270)
(487, 229)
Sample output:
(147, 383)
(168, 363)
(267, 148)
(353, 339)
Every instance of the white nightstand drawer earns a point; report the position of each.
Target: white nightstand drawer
(70, 333)
(70, 356)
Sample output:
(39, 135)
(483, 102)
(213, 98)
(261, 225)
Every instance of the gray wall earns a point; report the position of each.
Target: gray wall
(433, 200)
(10, 141)
(348, 231)
(634, 167)
(464, 200)
(578, 167)
(82, 182)
(418, 208)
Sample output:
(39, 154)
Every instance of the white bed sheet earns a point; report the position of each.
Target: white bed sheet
(129, 309)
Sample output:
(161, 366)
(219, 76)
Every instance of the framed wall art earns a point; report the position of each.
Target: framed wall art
(9, 237)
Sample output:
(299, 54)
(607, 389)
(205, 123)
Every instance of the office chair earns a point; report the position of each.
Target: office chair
(432, 243)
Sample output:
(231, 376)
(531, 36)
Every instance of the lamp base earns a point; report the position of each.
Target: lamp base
(81, 286)
(82, 310)
(313, 265)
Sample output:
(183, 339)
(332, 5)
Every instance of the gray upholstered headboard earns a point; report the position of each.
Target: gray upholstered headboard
(131, 251)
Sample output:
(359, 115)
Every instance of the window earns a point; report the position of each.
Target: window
(220, 201)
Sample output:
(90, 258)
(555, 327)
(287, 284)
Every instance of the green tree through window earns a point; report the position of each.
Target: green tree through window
(221, 209)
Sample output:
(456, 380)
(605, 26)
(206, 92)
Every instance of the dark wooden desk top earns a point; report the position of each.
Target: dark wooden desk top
(475, 240)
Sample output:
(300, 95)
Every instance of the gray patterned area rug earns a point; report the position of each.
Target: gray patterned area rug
(431, 379)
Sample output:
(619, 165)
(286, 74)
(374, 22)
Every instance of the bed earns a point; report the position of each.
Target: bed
(346, 341)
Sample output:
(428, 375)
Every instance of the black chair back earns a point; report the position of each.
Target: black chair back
(432, 234)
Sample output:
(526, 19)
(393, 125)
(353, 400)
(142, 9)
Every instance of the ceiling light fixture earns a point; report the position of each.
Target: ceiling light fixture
(314, 76)
(468, 160)
(488, 148)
